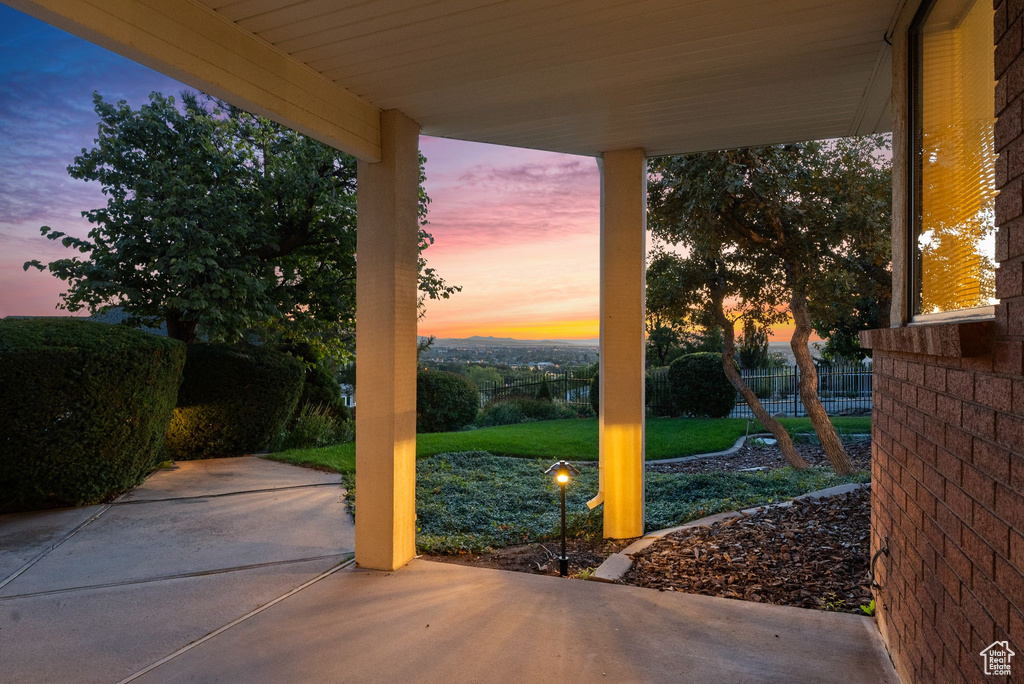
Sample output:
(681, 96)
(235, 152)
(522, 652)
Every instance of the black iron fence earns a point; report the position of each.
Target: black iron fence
(566, 387)
(842, 388)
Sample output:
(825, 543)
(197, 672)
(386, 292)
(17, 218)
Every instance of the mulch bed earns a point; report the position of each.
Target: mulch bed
(540, 559)
(813, 554)
(765, 457)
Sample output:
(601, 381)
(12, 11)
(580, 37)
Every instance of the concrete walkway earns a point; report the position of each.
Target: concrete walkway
(95, 594)
(228, 571)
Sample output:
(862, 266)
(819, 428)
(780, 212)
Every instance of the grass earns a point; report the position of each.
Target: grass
(573, 439)
(472, 501)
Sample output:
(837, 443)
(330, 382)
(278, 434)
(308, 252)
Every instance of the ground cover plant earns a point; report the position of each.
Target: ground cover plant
(574, 440)
(471, 501)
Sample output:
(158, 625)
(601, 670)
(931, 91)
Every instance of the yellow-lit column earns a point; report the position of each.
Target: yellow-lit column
(623, 257)
(386, 275)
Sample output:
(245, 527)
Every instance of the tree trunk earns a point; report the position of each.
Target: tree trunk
(826, 432)
(181, 330)
(782, 437)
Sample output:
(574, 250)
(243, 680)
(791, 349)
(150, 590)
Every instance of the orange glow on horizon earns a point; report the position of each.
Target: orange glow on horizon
(521, 330)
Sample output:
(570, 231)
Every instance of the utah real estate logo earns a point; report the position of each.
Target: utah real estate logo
(997, 658)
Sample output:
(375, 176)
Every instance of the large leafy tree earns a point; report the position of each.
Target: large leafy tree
(222, 224)
(784, 213)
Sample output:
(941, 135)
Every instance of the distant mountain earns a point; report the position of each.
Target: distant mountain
(490, 341)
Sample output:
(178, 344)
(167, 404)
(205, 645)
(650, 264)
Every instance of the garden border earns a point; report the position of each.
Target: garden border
(618, 564)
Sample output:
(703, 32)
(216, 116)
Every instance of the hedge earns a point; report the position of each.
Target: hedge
(698, 385)
(83, 409)
(234, 400)
(321, 388)
(445, 401)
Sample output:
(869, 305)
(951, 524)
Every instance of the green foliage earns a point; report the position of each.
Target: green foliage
(445, 401)
(483, 375)
(753, 351)
(315, 426)
(234, 400)
(869, 609)
(83, 409)
(544, 393)
(699, 387)
(511, 410)
(219, 222)
(595, 393)
(812, 219)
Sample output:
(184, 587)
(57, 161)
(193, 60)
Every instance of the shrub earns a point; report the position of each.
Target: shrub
(233, 400)
(699, 387)
(544, 393)
(504, 412)
(595, 391)
(315, 426)
(321, 388)
(445, 401)
(83, 410)
(512, 410)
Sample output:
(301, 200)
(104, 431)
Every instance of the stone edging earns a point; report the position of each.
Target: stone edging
(731, 450)
(618, 564)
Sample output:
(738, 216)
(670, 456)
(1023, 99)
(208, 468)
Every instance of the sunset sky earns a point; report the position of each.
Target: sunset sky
(517, 229)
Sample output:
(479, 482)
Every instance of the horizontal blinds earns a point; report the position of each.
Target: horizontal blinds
(957, 157)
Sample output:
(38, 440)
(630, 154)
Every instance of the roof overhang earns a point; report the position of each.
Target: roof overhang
(576, 76)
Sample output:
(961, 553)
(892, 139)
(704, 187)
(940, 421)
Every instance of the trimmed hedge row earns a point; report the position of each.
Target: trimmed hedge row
(83, 409)
(234, 399)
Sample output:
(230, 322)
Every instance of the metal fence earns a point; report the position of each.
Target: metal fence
(565, 388)
(843, 389)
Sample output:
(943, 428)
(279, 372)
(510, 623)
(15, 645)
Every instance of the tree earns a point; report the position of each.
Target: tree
(754, 351)
(221, 223)
(484, 375)
(784, 212)
(716, 289)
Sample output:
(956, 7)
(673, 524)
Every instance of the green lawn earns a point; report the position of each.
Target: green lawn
(573, 439)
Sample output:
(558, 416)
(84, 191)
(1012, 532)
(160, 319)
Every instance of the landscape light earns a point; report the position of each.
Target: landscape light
(562, 471)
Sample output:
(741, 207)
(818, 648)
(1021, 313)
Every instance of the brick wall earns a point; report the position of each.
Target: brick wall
(948, 466)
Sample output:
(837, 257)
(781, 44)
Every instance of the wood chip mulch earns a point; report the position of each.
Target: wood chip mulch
(813, 554)
(765, 458)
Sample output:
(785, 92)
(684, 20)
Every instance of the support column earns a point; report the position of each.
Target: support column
(623, 274)
(386, 282)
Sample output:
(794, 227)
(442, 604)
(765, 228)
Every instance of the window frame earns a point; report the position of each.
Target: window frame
(913, 189)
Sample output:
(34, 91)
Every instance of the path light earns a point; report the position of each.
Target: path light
(563, 471)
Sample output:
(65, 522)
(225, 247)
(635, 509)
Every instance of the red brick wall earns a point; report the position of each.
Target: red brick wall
(948, 467)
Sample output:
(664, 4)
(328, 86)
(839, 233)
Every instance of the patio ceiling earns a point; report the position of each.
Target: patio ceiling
(577, 76)
(585, 76)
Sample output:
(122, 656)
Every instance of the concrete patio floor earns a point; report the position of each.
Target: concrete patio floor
(172, 584)
(184, 554)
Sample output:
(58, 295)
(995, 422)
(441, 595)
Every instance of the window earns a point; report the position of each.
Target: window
(952, 120)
